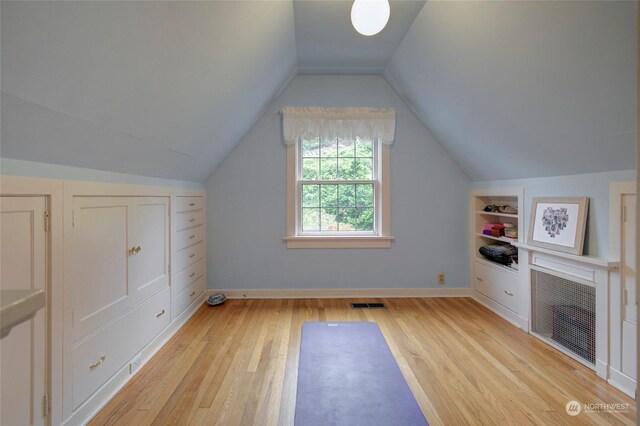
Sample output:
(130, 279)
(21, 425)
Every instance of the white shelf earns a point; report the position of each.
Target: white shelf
(502, 239)
(497, 265)
(18, 306)
(596, 261)
(490, 280)
(511, 215)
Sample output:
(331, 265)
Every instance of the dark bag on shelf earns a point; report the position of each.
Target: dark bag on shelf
(499, 253)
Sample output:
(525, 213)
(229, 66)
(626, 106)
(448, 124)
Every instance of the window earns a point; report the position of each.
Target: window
(338, 193)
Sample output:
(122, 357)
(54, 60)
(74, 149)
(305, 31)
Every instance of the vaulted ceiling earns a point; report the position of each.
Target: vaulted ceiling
(167, 89)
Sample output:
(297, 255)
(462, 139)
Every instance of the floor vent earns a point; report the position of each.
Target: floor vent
(368, 306)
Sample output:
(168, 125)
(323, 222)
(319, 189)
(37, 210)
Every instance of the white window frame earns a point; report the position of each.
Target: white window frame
(380, 238)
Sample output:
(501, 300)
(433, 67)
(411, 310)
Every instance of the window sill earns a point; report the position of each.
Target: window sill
(336, 241)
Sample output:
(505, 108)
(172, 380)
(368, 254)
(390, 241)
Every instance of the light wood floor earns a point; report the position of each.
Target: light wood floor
(237, 364)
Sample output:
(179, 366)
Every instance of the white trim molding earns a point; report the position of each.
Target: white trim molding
(343, 293)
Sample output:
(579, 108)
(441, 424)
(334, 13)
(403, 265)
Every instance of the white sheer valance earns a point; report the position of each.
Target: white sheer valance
(313, 122)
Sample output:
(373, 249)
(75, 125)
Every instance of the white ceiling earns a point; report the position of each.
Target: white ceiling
(167, 89)
(328, 44)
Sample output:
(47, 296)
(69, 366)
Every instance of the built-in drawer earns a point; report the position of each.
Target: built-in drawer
(188, 256)
(99, 356)
(188, 237)
(184, 204)
(187, 296)
(188, 219)
(189, 275)
(498, 284)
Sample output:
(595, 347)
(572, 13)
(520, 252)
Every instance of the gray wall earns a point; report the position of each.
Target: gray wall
(592, 185)
(247, 205)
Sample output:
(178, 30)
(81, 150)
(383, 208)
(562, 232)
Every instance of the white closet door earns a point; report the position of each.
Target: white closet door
(628, 267)
(100, 255)
(628, 276)
(23, 351)
(149, 266)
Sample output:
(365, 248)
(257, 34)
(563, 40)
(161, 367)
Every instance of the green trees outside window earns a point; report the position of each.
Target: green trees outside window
(337, 185)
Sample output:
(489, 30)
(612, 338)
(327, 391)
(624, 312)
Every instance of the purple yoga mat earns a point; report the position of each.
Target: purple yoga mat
(348, 376)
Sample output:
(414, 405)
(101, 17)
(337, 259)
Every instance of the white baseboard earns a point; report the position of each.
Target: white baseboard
(623, 382)
(102, 396)
(509, 315)
(344, 293)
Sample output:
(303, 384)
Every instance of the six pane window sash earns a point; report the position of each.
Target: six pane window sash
(332, 148)
(375, 231)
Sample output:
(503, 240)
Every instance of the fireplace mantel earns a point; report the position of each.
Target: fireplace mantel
(591, 260)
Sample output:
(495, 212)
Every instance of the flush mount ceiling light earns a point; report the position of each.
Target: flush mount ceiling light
(369, 17)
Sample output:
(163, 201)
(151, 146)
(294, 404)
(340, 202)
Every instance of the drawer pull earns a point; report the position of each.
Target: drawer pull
(97, 364)
(193, 219)
(192, 293)
(135, 250)
(192, 236)
(191, 255)
(192, 204)
(191, 275)
(508, 293)
(159, 314)
(479, 279)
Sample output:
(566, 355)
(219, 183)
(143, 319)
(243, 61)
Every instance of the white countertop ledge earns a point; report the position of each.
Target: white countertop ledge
(17, 306)
(591, 260)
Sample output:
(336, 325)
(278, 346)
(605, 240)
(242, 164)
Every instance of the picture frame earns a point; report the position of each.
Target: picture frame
(558, 223)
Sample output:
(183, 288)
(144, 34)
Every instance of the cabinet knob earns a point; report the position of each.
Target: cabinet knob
(191, 255)
(192, 293)
(159, 314)
(479, 279)
(138, 248)
(193, 219)
(508, 293)
(192, 236)
(97, 364)
(191, 275)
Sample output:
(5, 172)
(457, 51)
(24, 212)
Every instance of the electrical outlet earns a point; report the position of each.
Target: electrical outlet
(441, 278)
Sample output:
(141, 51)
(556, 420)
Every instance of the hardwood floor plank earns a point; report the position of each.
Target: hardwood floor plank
(237, 364)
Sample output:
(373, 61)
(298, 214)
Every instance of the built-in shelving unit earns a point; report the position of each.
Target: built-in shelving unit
(495, 285)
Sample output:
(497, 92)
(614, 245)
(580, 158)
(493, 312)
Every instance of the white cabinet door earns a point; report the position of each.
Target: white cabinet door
(628, 257)
(149, 266)
(100, 255)
(120, 250)
(23, 351)
(628, 281)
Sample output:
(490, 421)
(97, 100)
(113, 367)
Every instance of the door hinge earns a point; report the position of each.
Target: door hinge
(169, 269)
(624, 213)
(45, 405)
(624, 297)
(46, 221)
